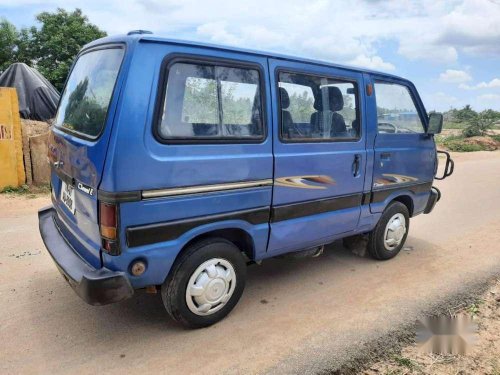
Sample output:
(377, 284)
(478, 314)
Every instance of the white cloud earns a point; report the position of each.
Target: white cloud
(216, 32)
(341, 31)
(472, 26)
(489, 97)
(486, 101)
(373, 62)
(440, 101)
(494, 83)
(454, 76)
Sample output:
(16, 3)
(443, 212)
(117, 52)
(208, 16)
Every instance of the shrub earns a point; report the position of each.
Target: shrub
(460, 146)
(480, 123)
(496, 137)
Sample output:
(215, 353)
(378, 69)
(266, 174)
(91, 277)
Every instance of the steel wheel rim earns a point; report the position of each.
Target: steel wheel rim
(395, 231)
(210, 286)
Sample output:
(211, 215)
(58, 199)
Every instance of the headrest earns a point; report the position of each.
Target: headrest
(285, 99)
(334, 96)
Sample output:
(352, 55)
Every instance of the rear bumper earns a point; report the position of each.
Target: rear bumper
(434, 197)
(95, 286)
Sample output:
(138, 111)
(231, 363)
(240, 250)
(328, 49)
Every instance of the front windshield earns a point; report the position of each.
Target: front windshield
(85, 100)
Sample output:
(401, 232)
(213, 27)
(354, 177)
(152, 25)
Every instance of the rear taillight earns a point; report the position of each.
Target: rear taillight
(108, 225)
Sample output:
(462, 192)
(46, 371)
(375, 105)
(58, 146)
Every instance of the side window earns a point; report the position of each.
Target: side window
(396, 111)
(211, 102)
(315, 108)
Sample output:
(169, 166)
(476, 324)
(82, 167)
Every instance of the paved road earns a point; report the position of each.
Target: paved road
(295, 316)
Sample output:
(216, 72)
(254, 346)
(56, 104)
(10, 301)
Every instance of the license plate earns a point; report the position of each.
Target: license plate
(68, 196)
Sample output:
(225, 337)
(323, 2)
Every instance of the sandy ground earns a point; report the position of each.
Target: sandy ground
(483, 356)
(295, 316)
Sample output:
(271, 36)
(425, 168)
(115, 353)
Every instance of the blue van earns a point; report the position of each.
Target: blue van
(175, 164)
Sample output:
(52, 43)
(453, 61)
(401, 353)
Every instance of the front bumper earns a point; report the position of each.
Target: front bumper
(433, 199)
(95, 286)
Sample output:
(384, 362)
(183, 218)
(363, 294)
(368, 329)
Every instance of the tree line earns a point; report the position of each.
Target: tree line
(51, 46)
(476, 123)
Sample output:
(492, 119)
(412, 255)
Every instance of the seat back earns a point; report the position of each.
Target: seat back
(326, 121)
(286, 116)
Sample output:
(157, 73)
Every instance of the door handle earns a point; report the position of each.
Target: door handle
(355, 165)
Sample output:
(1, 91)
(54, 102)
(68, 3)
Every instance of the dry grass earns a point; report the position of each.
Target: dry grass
(482, 358)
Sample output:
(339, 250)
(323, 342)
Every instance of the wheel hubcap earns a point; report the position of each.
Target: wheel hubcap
(395, 231)
(210, 286)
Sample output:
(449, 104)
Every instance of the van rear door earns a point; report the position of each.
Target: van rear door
(78, 144)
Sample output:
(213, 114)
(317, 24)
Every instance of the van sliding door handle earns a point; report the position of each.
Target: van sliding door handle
(385, 156)
(355, 165)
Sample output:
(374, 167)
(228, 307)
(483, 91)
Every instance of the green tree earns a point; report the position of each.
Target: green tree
(52, 47)
(465, 114)
(84, 111)
(480, 123)
(8, 44)
(301, 106)
(200, 103)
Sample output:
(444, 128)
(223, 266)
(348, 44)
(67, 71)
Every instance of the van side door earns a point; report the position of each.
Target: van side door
(404, 156)
(319, 154)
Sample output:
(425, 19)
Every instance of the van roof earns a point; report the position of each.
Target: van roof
(146, 37)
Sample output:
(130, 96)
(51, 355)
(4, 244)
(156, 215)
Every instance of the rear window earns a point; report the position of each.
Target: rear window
(211, 102)
(85, 100)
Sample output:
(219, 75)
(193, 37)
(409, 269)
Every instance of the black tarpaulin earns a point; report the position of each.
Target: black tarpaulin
(37, 97)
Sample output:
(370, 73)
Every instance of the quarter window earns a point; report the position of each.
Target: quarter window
(211, 102)
(315, 108)
(396, 110)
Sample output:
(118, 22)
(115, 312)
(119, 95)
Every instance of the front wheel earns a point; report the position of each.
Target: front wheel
(389, 236)
(205, 283)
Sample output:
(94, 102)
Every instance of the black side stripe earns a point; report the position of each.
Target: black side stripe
(318, 206)
(382, 194)
(117, 197)
(167, 231)
(366, 198)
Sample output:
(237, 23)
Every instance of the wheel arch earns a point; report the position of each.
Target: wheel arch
(238, 236)
(407, 200)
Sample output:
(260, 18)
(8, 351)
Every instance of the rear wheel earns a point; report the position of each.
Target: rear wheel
(205, 283)
(389, 236)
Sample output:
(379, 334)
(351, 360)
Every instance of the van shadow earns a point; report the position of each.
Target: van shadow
(144, 314)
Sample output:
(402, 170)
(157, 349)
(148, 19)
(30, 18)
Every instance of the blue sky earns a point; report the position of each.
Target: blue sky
(449, 49)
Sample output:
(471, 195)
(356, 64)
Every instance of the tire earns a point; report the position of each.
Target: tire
(380, 248)
(215, 270)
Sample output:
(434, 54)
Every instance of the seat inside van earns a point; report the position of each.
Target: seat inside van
(316, 108)
(326, 120)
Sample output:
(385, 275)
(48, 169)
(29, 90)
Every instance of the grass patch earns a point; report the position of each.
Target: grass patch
(496, 137)
(23, 189)
(473, 309)
(406, 362)
(454, 125)
(26, 190)
(457, 143)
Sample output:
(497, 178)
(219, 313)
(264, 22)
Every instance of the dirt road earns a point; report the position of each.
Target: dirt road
(296, 316)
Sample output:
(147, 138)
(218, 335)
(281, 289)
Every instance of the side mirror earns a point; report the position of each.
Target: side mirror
(435, 123)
